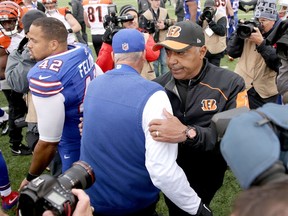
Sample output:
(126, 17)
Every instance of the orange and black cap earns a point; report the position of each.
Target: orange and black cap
(182, 36)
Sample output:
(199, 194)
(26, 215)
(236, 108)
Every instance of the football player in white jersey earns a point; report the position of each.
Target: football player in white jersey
(94, 13)
(283, 9)
(64, 15)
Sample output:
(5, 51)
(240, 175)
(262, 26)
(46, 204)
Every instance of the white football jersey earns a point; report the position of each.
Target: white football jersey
(96, 11)
(221, 5)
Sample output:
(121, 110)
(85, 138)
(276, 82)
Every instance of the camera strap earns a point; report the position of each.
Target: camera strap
(154, 14)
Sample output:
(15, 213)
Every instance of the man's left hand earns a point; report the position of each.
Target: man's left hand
(167, 130)
(24, 183)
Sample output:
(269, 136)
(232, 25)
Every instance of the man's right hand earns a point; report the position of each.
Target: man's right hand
(83, 206)
(107, 37)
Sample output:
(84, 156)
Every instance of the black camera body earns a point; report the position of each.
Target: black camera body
(150, 26)
(112, 21)
(111, 24)
(220, 121)
(280, 36)
(244, 30)
(208, 13)
(20, 122)
(50, 193)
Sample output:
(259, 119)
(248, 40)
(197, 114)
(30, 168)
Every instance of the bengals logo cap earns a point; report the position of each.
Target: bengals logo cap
(182, 36)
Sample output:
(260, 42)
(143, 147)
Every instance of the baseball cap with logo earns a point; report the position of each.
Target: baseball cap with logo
(182, 36)
(127, 41)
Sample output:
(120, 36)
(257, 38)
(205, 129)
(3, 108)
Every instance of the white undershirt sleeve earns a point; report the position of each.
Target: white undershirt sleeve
(50, 116)
(161, 159)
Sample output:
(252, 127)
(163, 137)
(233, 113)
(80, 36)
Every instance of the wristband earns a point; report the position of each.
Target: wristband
(70, 30)
(30, 177)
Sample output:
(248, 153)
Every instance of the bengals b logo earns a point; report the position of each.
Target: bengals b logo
(174, 31)
(209, 105)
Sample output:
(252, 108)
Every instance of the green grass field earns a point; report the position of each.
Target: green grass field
(18, 165)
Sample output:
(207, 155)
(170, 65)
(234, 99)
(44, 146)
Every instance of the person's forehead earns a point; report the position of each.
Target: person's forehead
(263, 20)
(190, 49)
(35, 31)
(133, 13)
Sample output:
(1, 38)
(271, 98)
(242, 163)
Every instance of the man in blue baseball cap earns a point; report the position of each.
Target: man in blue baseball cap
(131, 168)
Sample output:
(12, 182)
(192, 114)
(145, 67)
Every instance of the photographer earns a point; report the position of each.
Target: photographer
(104, 59)
(156, 21)
(258, 155)
(214, 25)
(258, 63)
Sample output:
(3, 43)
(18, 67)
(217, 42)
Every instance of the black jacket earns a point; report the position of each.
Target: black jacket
(213, 83)
(214, 90)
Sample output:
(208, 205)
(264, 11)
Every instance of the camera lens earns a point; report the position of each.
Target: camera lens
(208, 14)
(244, 31)
(80, 176)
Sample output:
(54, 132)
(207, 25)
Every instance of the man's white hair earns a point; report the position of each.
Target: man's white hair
(131, 57)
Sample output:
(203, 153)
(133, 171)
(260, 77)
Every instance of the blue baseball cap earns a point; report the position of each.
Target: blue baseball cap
(127, 41)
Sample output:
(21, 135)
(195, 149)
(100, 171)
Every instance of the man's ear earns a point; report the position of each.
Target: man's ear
(144, 55)
(112, 55)
(53, 44)
(203, 51)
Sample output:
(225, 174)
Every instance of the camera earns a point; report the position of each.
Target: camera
(47, 192)
(111, 21)
(20, 122)
(208, 13)
(245, 29)
(151, 25)
(280, 36)
(220, 121)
